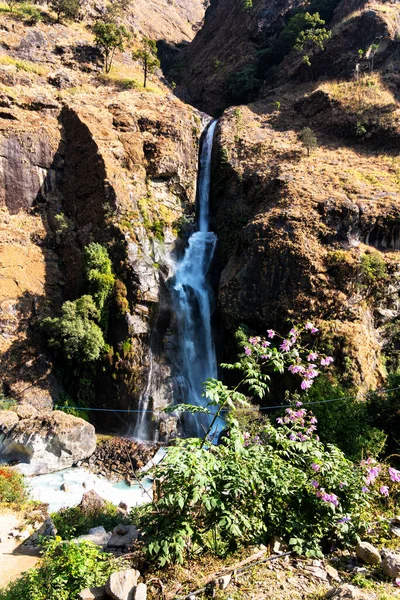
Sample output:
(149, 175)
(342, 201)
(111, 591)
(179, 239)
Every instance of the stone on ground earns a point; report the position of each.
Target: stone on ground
(96, 593)
(123, 536)
(121, 585)
(391, 564)
(368, 553)
(140, 592)
(347, 592)
(91, 502)
(97, 535)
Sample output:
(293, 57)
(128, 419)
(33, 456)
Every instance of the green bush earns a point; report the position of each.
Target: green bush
(12, 486)
(373, 269)
(66, 569)
(243, 85)
(75, 333)
(72, 522)
(99, 273)
(349, 423)
(68, 9)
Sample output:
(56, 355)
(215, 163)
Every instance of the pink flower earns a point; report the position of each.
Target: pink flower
(394, 474)
(313, 420)
(296, 369)
(384, 490)
(312, 356)
(397, 581)
(279, 421)
(365, 489)
(309, 325)
(315, 483)
(325, 362)
(247, 351)
(341, 484)
(285, 346)
(254, 340)
(314, 330)
(246, 435)
(315, 467)
(292, 437)
(271, 333)
(265, 344)
(292, 332)
(305, 384)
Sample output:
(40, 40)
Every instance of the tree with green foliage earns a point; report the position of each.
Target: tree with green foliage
(313, 35)
(68, 9)
(109, 37)
(308, 139)
(146, 55)
(75, 333)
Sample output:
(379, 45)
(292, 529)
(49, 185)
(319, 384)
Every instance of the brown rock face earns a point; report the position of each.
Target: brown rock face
(101, 162)
(295, 230)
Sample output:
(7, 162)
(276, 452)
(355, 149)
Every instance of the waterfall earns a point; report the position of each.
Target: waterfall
(192, 298)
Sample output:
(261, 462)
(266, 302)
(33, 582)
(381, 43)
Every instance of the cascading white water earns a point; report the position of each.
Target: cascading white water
(143, 423)
(192, 303)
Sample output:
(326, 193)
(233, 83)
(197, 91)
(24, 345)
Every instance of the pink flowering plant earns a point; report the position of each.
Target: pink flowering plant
(279, 481)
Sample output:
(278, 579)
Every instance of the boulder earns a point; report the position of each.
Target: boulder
(123, 536)
(47, 529)
(368, 553)
(97, 535)
(51, 442)
(121, 585)
(391, 564)
(96, 593)
(26, 411)
(91, 502)
(8, 420)
(348, 592)
(140, 592)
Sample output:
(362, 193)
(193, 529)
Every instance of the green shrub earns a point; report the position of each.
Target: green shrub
(68, 9)
(347, 423)
(75, 333)
(99, 273)
(243, 85)
(66, 569)
(12, 486)
(72, 522)
(373, 268)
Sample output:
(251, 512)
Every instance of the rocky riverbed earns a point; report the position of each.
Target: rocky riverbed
(119, 458)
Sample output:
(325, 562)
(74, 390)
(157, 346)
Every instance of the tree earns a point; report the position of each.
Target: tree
(69, 9)
(99, 273)
(109, 37)
(312, 35)
(147, 56)
(308, 139)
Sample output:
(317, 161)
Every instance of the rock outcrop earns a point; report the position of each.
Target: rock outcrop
(88, 158)
(48, 443)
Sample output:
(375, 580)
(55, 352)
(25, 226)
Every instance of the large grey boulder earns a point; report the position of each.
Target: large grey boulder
(368, 553)
(46, 443)
(97, 535)
(123, 536)
(121, 585)
(391, 564)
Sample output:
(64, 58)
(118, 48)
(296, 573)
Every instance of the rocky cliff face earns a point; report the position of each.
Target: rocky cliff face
(297, 233)
(83, 160)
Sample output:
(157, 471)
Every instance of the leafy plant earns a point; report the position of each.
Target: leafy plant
(66, 569)
(12, 486)
(72, 522)
(99, 273)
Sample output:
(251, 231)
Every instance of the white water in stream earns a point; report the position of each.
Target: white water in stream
(192, 302)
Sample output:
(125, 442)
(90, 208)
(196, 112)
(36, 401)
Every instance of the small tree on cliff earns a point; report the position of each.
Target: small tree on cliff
(109, 37)
(11, 4)
(312, 35)
(308, 139)
(69, 9)
(146, 55)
